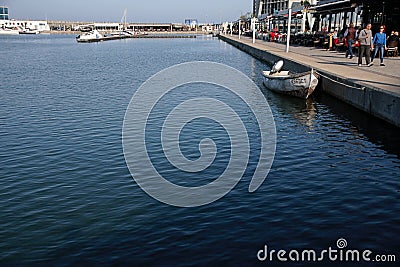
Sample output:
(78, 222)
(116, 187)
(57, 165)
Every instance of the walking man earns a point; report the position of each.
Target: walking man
(365, 37)
(350, 35)
(380, 43)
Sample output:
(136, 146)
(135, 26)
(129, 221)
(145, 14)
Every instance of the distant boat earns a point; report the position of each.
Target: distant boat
(121, 34)
(91, 36)
(8, 31)
(295, 84)
(29, 31)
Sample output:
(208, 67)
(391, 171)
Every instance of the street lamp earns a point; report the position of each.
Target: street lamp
(253, 26)
(240, 30)
(288, 28)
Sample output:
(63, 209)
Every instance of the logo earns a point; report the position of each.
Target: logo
(340, 254)
(155, 121)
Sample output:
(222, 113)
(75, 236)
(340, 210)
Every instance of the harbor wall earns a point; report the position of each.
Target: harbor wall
(377, 102)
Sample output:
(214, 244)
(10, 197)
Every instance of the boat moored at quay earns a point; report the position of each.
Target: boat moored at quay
(295, 84)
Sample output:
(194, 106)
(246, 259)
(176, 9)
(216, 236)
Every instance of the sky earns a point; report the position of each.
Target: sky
(169, 11)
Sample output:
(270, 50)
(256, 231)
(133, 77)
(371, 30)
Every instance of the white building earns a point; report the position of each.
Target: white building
(207, 28)
(6, 22)
(38, 25)
(273, 14)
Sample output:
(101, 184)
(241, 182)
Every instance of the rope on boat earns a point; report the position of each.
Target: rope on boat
(350, 86)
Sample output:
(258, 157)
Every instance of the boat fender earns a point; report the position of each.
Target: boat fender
(277, 66)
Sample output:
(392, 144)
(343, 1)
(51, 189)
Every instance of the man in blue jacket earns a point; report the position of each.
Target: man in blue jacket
(380, 43)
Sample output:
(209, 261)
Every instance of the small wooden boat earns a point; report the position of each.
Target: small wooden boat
(295, 84)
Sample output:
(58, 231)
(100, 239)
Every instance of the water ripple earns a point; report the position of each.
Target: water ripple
(67, 196)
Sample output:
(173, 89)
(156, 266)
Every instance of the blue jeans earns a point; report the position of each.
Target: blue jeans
(350, 48)
(381, 48)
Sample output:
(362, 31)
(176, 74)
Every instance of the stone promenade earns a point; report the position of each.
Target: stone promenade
(374, 89)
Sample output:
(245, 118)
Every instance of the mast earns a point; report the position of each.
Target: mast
(123, 19)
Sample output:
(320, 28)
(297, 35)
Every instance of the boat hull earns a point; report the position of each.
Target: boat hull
(29, 32)
(9, 32)
(300, 85)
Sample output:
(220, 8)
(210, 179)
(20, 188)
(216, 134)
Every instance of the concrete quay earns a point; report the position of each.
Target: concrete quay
(375, 89)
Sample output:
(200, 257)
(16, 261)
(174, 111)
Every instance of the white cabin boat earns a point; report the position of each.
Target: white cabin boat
(29, 31)
(92, 36)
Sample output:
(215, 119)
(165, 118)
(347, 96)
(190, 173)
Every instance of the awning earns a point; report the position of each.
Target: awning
(285, 12)
(331, 6)
(264, 16)
(329, 3)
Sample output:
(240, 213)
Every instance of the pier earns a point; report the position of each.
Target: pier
(121, 37)
(375, 90)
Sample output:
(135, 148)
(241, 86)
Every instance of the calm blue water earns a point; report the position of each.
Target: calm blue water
(67, 197)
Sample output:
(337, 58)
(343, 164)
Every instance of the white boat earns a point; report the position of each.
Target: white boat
(92, 36)
(29, 31)
(119, 33)
(8, 31)
(295, 84)
(122, 34)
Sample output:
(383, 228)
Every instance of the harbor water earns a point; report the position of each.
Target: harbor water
(67, 196)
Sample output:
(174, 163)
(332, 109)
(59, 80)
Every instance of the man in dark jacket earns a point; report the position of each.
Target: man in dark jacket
(350, 35)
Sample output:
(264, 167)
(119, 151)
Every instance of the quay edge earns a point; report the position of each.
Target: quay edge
(375, 101)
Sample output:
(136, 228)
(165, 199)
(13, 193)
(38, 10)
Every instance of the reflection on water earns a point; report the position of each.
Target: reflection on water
(376, 130)
(303, 111)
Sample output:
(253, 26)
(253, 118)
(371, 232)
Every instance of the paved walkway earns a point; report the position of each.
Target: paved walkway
(382, 78)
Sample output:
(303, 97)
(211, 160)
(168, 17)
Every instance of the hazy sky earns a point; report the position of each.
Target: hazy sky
(138, 10)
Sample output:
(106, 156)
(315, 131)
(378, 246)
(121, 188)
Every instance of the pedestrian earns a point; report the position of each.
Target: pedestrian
(380, 44)
(393, 39)
(391, 36)
(350, 35)
(365, 38)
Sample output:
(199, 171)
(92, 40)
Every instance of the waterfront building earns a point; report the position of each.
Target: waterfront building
(37, 25)
(334, 15)
(3, 13)
(34, 25)
(114, 26)
(191, 23)
(207, 28)
(273, 14)
(378, 13)
(329, 15)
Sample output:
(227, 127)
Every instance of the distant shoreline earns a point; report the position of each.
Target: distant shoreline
(149, 32)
